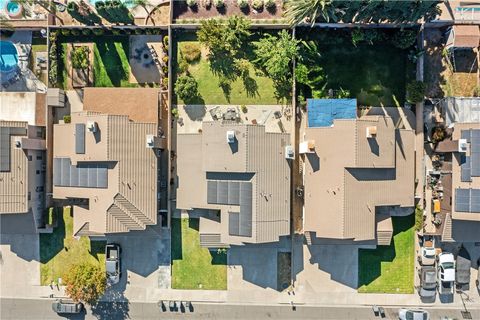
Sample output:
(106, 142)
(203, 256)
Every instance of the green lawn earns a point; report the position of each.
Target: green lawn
(375, 74)
(194, 267)
(259, 89)
(389, 269)
(60, 250)
(110, 64)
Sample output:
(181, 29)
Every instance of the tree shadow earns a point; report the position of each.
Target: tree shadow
(176, 242)
(251, 86)
(226, 89)
(219, 258)
(112, 310)
(96, 248)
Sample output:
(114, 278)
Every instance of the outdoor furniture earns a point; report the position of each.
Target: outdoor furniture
(381, 311)
(172, 305)
(375, 310)
(188, 305)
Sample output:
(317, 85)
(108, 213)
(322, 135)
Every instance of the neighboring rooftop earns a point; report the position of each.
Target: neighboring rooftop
(461, 110)
(247, 180)
(139, 104)
(13, 168)
(107, 160)
(464, 36)
(23, 106)
(354, 167)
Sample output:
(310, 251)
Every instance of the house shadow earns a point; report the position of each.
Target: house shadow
(195, 112)
(118, 309)
(255, 259)
(19, 233)
(314, 161)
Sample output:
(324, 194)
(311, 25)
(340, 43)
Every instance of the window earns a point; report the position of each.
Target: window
(37, 172)
(39, 189)
(39, 133)
(39, 157)
(29, 195)
(29, 158)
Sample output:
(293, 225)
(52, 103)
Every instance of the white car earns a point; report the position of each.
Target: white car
(407, 314)
(446, 273)
(428, 251)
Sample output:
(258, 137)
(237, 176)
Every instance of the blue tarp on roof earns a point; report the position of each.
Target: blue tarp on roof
(322, 112)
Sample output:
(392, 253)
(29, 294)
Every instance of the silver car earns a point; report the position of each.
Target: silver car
(112, 263)
(428, 281)
(408, 314)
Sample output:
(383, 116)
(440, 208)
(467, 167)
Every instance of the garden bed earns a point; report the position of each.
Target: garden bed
(182, 13)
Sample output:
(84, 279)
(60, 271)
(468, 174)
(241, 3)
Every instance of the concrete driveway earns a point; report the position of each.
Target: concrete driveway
(145, 263)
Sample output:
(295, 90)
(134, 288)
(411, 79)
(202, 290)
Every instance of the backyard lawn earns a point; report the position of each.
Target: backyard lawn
(194, 267)
(259, 90)
(110, 64)
(389, 269)
(60, 250)
(374, 74)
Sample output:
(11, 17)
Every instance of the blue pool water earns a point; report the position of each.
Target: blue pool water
(467, 9)
(11, 7)
(128, 3)
(322, 112)
(8, 56)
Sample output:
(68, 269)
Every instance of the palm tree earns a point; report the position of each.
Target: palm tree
(299, 11)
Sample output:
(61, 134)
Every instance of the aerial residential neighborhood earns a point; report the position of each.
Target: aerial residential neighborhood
(239, 159)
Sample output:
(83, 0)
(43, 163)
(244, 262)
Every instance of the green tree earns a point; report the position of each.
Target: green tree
(274, 55)
(415, 91)
(186, 88)
(85, 282)
(79, 57)
(299, 11)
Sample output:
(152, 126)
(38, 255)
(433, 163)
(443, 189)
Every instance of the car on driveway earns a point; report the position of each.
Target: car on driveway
(410, 314)
(462, 275)
(446, 273)
(67, 306)
(428, 284)
(428, 251)
(113, 263)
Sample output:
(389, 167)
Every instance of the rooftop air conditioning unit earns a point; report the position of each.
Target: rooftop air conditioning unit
(462, 145)
(372, 132)
(92, 126)
(18, 144)
(150, 141)
(289, 153)
(230, 136)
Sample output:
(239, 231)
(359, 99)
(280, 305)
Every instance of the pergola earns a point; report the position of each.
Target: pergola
(463, 37)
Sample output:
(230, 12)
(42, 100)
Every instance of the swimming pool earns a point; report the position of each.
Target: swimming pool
(12, 8)
(8, 57)
(129, 4)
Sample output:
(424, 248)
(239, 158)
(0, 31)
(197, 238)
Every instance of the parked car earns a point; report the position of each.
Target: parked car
(446, 273)
(66, 306)
(428, 251)
(428, 284)
(408, 314)
(462, 275)
(478, 274)
(112, 263)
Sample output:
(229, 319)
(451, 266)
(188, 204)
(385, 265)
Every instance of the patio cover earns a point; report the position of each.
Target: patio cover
(461, 109)
(464, 36)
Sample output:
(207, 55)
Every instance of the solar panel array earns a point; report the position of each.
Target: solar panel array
(470, 166)
(4, 149)
(86, 175)
(80, 138)
(238, 193)
(467, 200)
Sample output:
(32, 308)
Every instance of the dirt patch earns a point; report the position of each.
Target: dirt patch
(200, 11)
(284, 270)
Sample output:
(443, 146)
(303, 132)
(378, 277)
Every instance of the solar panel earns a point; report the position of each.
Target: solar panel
(86, 175)
(245, 210)
(467, 200)
(4, 149)
(475, 152)
(465, 169)
(79, 138)
(475, 200)
(234, 223)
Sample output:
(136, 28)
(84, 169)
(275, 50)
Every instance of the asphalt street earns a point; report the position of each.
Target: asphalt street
(41, 309)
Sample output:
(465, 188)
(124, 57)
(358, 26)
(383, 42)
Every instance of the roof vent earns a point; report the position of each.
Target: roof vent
(289, 153)
(372, 132)
(150, 141)
(92, 126)
(18, 144)
(230, 136)
(462, 145)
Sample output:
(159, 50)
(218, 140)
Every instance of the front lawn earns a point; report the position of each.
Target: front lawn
(60, 250)
(389, 269)
(258, 90)
(194, 267)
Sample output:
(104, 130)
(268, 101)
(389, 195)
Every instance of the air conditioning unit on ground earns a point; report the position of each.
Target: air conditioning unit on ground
(150, 141)
(289, 153)
(231, 136)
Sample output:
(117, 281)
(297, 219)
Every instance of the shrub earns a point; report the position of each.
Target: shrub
(165, 82)
(244, 108)
(75, 32)
(165, 41)
(191, 3)
(186, 88)
(418, 218)
(269, 4)
(257, 4)
(182, 65)
(404, 39)
(65, 32)
(72, 7)
(191, 52)
(86, 32)
(85, 282)
(218, 3)
(165, 59)
(138, 31)
(438, 134)
(207, 3)
(116, 32)
(415, 91)
(242, 3)
(79, 57)
(175, 113)
(99, 5)
(98, 32)
(67, 118)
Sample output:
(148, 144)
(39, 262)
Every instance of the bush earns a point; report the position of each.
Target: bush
(79, 57)
(404, 39)
(242, 3)
(165, 59)
(269, 4)
(244, 108)
(98, 32)
(191, 3)
(191, 52)
(257, 4)
(138, 31)
(165, 41)
(218, 3)
(182, 65)
(175, 113)
(85, 282)
(186, 88)
(438, 134)
(415, 91)
(67, 119)
(86, 32)
(65, 32)
(72, 7)
(75, 32)
(165, 82)
(418, 218)
(116, 32)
